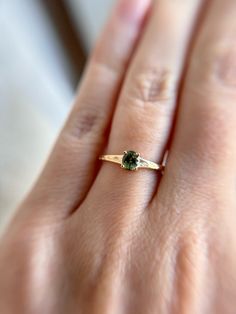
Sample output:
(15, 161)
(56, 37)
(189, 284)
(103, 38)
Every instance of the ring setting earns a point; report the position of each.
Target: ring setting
(132, 161)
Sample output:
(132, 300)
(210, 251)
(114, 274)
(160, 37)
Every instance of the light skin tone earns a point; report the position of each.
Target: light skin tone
(94, 238)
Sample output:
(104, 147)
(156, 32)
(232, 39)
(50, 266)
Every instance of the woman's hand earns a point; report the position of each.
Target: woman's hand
(94, 238)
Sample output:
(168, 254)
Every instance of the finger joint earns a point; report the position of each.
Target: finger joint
(151, 86)
(217, 65)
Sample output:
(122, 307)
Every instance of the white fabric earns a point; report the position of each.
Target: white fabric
(35, 96)
(35, 91)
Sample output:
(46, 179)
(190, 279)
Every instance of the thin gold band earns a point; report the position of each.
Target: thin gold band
(143, 163)
(133, 161)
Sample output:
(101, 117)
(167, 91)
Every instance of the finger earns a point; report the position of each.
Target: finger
(145, 110)
(71, 167)
(198, 186)
(202, 159)
(205, 143)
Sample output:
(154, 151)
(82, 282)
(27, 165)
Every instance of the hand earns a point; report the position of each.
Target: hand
(94, 238)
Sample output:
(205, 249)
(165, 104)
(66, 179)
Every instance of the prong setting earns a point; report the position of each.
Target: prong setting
(130, 160)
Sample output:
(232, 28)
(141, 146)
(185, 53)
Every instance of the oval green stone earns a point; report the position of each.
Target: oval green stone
(130, 160)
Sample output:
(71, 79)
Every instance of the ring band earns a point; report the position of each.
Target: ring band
(131, 160)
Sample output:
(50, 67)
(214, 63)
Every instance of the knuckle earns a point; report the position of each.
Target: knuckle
(218, 64)
(82, 124)
(105, 66)
(152, 85)
(150, 94)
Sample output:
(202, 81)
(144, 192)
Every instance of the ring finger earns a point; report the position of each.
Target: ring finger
(143, 118)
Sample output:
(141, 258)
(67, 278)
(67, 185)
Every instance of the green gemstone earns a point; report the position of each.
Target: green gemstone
(130, 160)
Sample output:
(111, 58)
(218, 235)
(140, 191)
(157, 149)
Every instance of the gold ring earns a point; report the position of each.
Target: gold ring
(131, 160)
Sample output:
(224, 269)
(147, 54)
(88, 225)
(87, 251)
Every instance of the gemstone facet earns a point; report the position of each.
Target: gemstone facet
(130, 160)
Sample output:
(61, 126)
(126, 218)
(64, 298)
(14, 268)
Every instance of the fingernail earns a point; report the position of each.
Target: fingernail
(132, 10)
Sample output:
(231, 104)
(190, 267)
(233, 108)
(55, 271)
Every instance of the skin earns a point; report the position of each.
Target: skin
(93, 238)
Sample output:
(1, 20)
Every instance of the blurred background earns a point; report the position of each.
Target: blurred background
(43, 48)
